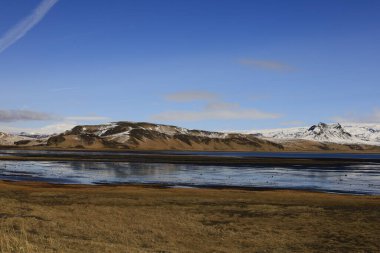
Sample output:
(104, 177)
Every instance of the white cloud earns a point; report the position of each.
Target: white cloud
(24, 115)
(20, 29)
(217, 111)
(214, 109)
(265, 64)
(372, 117)
(29, 115)
(59, 123)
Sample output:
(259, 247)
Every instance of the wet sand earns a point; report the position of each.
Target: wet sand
(38, 217)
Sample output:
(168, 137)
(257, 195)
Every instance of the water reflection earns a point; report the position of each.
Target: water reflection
(354, 178)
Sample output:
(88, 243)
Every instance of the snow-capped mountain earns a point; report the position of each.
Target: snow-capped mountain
(34, 135)
(354, 133)
(368, 133)
(7, 139)
(122, 131)
(10, 139)
(149, 136)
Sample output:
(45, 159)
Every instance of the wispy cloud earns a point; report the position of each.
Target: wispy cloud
(372, 117)
(236, 113)
(57, 123)
(189, 96)
(24, 115)
(21, 28)
(215, 108)
(29, 115)
(266, 64)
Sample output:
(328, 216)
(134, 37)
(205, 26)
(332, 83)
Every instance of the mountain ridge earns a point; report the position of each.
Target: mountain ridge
(149, 136)
(144, 135)
(348, 133)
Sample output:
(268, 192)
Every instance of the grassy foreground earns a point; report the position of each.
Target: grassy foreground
(38, 217)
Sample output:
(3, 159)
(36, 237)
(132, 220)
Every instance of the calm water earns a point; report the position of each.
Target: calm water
(358, 179)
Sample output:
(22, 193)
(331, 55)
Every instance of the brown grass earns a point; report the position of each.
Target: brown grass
(45, 218)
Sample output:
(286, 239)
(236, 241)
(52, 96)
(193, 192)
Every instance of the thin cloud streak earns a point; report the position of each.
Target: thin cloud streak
(19, 30)
(218, 111)
(29, 115)
(24, 115)
(214, 109)
(373, 117)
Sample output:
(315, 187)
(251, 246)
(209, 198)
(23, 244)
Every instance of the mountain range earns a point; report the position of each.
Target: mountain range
(368, 134)
(23, 139)
(149, 136)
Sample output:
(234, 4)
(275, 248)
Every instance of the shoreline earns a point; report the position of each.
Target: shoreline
(108, 186)
(182, 186)
(118, 150)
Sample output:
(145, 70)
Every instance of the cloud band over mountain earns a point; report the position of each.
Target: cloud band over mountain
(29, 115)
(214, 109)
(23, 115)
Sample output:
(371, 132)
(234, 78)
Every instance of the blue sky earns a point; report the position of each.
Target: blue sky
(208, 64)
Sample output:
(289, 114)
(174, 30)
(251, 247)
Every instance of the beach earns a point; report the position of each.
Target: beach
(41, 217)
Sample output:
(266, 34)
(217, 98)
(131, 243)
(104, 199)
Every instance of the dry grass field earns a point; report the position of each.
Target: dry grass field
(38, 217)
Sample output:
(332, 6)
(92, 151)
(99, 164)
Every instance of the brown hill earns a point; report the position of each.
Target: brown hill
(148, 136)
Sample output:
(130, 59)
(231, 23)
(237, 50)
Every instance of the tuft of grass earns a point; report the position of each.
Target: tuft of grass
(14, 240)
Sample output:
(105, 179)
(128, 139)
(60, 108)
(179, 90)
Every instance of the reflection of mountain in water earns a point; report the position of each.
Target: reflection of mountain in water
(125, 170)
(363, 178)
